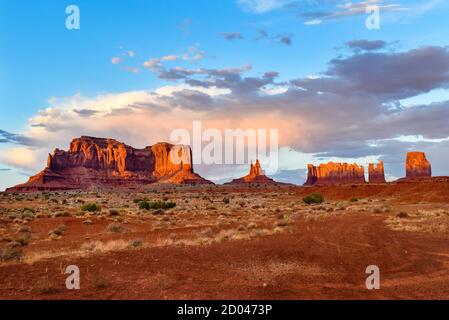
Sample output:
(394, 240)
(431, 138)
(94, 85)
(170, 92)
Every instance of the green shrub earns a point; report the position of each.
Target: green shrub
(91, 207)
(313, 198)
(148, 205)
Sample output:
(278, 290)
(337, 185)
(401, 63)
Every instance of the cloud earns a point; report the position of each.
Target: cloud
(344, 9)
(116, 60)
(366, 45)
(232, 35)
(24, 158)
(351, 111)
(171, 57)
(286, 39)
(261, 6)
(262, 34)
(385, 77)
(283, 38)
(8, 137)
(132, 69)
(157, 64)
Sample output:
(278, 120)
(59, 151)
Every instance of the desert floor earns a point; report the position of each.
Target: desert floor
(229, 242)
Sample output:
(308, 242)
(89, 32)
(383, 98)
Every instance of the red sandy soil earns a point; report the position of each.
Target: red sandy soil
(321, 258)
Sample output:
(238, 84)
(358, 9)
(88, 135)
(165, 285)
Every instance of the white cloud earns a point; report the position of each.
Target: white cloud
(169, 58)
(313, 22)
(116, 60)
(261, 6)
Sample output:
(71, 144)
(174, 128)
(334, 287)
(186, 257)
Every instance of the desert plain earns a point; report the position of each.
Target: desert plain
(228, 242)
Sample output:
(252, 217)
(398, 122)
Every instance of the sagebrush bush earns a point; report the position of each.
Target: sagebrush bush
(154, 205)
(114, 228)
(8, 254)
(91, 207)
(313, 198)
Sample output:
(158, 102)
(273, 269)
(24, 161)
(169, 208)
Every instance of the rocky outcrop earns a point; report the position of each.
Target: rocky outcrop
(417, 165)
(256, 176)
(335, 173)
(99, 162)
(376, 173)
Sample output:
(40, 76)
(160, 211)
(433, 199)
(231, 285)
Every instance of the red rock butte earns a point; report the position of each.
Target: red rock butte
(335, 173)
(376, 173)
(100, 162)
(256, 176)
(417, 165)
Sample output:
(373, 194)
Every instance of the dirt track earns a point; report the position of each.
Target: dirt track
(315, 260)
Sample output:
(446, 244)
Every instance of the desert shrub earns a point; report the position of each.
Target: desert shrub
(24, 229)
(354, 200)
(23, 240)
(147, 205)
(144, 205)
(282, 223)
(59, 230)
(226, 200)
(91, 207)
(136, 243)
(100, 282)
(313, 198)
(402, 214)
(45, 286)
(29, 210)
(114, 228)
(113, 212)
(8, 254)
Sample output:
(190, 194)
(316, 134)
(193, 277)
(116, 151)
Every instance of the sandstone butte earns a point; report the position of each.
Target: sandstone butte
(376, 173)
(256, 176)
(335, 173)
(417, 165)
(100, 162)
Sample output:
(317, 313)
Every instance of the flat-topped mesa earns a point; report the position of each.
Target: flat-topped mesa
(121, 159)
(256, 176)
(335, 173)
(376, 173)
(417, 165)
(104, 162)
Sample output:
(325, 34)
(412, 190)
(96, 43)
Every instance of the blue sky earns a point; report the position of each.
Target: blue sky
(41, 60)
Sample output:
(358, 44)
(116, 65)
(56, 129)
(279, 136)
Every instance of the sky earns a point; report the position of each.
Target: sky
(135, 70)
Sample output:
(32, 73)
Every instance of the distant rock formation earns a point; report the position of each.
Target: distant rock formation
(335, 173)
(256, 175)
(376, 173)
(99, 162)
(417, 165)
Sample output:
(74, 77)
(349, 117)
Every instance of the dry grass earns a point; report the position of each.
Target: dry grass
(422, 220)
